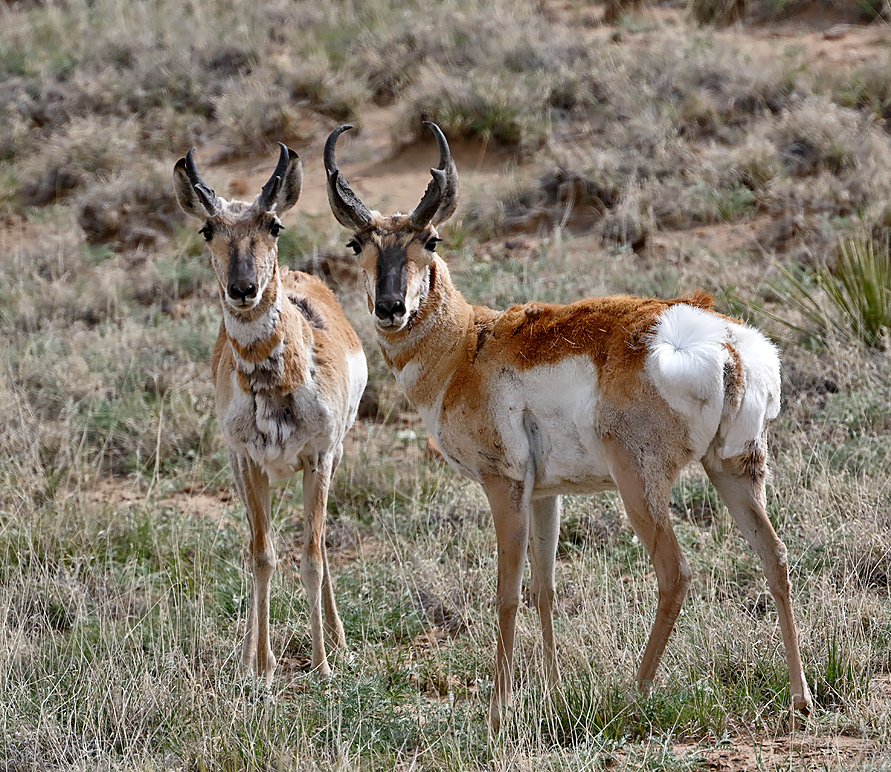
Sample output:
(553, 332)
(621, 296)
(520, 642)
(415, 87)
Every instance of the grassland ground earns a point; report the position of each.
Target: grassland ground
(650, 157)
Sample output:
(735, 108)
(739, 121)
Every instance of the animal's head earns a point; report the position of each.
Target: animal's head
(395, 252)
(243, 237)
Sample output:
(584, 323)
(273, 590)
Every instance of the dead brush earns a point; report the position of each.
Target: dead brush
(253, 114)
(129, 211)
(86, 148)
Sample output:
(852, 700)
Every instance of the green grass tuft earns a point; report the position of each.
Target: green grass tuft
(851, 302)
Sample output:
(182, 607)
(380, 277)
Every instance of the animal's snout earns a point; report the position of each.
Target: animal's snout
(389, 308)
(242, 290)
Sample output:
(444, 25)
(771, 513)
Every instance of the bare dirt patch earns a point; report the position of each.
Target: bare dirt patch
(122, 493)
(794, 751)
(383, 173)
(821, 37)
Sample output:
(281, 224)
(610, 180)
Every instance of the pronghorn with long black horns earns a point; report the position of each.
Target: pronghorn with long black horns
(541, 400)
(289, 372)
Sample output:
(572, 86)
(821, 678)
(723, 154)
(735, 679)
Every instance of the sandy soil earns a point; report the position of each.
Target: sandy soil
(385, 176)
(793, 751)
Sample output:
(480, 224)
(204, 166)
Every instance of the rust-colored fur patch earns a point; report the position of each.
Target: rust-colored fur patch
(257, 351)
(612, 331)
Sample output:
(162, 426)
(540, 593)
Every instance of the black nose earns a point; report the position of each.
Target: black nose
(387, 308)
(242, 291)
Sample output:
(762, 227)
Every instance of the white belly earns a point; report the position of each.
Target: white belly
(552, 411)
(545, 418)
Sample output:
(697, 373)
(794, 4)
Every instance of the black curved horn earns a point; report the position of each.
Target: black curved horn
(348, 210)
(441, 197)
(205, 194)
(270, 190)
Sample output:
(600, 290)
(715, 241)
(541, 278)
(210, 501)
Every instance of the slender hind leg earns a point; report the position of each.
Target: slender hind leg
(253, 488)
(333, 626)
(740, 483)
(544, 532)
(646, 503)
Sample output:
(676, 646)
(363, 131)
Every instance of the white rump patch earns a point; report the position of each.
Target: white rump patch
(761, 398)
(686, 365)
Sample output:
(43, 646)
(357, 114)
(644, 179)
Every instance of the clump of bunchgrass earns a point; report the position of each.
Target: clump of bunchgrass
(818, 135)
(254, 116)
(851, 301)
(755, 163)
(719, 12)
(86, 148)
(501, 109)
(866, 88)
(134, 209)
(628, 224)
(391, 59)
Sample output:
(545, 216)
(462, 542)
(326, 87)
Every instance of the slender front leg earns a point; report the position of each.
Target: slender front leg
(314, 563)
(510, 512)
(543, 536)
(333, 626)
(253, 488)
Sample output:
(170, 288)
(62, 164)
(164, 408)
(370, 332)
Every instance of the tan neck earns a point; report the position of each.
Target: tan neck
(428, 351)
(271, 343)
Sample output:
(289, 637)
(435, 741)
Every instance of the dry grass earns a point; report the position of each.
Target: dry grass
(122, 595)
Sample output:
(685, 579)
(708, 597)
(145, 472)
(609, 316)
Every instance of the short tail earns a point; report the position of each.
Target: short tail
(721, 376)
(687, 352)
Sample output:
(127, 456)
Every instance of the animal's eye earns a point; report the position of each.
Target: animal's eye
(430, 246)
(207, 231)
(276, 228)
(355, 246)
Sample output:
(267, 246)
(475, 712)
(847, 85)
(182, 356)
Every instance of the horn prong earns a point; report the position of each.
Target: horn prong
(269, 193)
(204, 192)
(345, 204)
(441, 197)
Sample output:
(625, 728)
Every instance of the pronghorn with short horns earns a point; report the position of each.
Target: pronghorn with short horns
(541, 400)
(288, 371)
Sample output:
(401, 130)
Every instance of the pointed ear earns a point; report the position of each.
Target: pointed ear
(292, 184)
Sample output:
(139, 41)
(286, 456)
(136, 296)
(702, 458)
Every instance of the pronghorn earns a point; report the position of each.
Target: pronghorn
(541, 400)
(288, 371)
